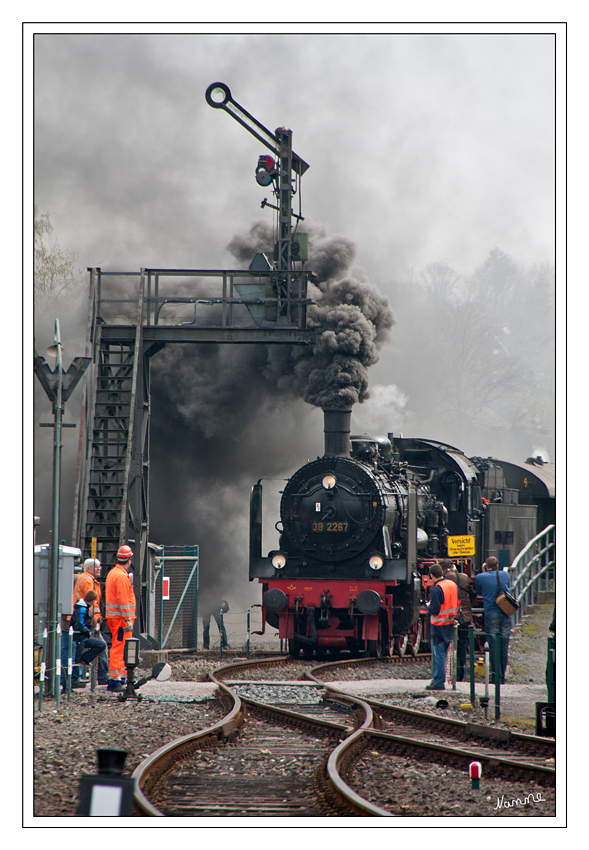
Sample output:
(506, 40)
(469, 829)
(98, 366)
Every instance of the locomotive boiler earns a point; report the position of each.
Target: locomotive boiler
(359, 528)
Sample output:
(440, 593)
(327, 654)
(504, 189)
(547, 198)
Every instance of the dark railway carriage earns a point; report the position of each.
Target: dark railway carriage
(535, 482)
(359, 529)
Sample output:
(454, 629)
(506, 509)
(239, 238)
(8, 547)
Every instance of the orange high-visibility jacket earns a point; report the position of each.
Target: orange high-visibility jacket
(450, 606)
(119, 596)
(86, 581)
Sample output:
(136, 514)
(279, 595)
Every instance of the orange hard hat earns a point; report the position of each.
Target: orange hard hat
(124, 553)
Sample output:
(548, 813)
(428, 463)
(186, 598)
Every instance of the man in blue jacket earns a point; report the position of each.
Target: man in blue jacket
(489, 585)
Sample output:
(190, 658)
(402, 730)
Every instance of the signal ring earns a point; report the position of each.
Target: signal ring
(216, 88)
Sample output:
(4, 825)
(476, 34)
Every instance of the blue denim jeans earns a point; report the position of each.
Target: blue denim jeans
(439, 653)
(95, 647)
(498, 624)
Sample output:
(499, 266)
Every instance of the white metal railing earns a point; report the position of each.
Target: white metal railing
(533, 570)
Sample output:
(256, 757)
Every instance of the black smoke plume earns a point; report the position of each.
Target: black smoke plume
(352, 321)
(225, 415)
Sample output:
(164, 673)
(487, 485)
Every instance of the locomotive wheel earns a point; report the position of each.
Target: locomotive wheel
(294, 648)
(400, 644)
(374, 648)
(415, 638)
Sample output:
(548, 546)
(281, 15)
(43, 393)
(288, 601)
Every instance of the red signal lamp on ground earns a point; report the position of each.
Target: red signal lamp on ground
(475, 770)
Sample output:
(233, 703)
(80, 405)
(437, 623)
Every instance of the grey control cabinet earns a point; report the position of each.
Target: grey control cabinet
(68, 558)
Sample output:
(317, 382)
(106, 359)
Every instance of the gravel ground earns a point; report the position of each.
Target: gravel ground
(64, 742)
(430, 790)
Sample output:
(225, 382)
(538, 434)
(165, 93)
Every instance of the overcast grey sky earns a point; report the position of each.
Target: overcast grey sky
(423, 148)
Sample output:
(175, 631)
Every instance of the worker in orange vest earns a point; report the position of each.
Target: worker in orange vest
(120, 614)
(88, 580)
(443, 608)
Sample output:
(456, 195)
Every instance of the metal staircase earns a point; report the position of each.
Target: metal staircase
(113, 467)
(111, 504)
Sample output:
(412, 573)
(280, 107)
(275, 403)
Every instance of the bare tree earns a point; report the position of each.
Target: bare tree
(56, 270)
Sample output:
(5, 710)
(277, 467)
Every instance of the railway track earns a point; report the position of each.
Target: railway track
(313, 755)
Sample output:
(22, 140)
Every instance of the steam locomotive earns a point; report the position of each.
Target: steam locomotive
(360, 527)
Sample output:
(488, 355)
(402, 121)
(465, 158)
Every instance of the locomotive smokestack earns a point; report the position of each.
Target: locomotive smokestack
(336, 427)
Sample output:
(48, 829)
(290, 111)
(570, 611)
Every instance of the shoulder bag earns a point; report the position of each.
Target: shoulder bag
(505, 600)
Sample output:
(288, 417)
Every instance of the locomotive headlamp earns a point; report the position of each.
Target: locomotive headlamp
(376, 562)
(329, 481)
(278, 561)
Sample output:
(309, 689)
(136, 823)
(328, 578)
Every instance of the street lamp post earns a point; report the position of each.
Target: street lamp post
(52, 612)
(58, 387)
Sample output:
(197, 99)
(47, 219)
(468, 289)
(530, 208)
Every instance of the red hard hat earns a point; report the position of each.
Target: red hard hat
(124, 553)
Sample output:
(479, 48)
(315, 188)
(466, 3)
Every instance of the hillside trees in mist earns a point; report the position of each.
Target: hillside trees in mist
(478, 354)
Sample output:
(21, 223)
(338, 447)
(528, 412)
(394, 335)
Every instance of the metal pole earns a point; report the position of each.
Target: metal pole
(455, 657)
(42, 670)
(471, 661)
(247, 645)
(550, 669)
(221, 633)
(486, 680)
(58, 666)
(284, 136)
(498, 640)
(70, 662)
(94, 666)
(161, 583)
(197, 580)
(54, 562)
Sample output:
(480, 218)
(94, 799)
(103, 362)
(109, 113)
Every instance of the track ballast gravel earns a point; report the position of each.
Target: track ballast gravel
(65, 740)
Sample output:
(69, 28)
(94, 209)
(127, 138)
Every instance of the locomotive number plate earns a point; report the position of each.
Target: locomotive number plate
(461, 546)
(330, 526)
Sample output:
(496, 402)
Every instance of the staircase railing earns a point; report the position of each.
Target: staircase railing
(533, 570)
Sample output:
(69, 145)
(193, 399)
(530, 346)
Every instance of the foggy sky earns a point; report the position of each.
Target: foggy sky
(423, 149)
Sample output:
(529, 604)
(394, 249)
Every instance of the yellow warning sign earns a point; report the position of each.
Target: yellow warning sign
(461, 546)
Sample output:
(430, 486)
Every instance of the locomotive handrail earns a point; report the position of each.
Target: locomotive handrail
(524, 568)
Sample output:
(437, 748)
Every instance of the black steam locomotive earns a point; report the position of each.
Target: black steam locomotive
(361, 526)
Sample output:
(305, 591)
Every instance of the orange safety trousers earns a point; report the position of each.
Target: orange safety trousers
(116, 658)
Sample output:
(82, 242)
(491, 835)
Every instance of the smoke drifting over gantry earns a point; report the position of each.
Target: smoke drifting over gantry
(225, 415)
(352, 319)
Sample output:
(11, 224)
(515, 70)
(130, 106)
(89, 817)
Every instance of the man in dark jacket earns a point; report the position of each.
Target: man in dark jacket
(443, 609)
(466, 594)
(489, 584)
(215, 610)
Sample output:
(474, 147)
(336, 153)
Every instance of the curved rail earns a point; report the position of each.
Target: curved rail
(342, 753)
(156, 764)
(340, 759)
(158, 761)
